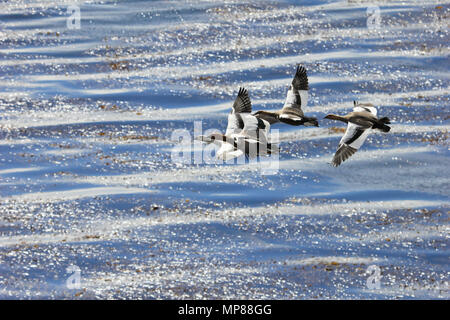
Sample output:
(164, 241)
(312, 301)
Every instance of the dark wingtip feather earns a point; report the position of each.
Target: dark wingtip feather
(336, 161)
(242, 91)
(343, 153)
(300, 81)
(242, 102)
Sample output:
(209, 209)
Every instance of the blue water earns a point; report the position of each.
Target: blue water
(87, 177)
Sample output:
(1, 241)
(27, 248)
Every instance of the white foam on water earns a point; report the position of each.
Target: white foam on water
(19, 170)
(73, 194)
(104, 230)
(333, 260)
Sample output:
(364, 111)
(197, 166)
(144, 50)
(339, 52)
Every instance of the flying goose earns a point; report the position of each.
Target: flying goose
(245, 134)
(363, 117)
(296, 99)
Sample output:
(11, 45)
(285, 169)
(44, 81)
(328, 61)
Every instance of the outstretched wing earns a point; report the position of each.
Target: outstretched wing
(242, 104)
(297, 95)
(235, 124)
(254, 128)
(300, 81)
(352, 140)
(364, 107)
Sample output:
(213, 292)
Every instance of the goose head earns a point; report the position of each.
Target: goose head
(210, 138)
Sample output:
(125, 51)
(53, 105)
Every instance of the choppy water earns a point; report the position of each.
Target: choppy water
(86, 176)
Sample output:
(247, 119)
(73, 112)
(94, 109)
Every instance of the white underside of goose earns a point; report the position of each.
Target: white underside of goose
(244, 145)
(227, 152)
(289, 116)
(296, 101)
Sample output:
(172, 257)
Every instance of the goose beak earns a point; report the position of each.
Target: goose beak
(203, 139)
(331, 117)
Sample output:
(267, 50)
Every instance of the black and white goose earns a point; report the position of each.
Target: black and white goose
(296, 99)
(363, 117)
(245, 135)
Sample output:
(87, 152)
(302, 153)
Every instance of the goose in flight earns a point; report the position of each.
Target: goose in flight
(363, 117)
(296, 99)
(245, 135)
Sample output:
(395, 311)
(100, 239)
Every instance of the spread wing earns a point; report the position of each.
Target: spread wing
(300, 81)
(297, 95)
(352, 140)
(367, 107)
(254, 128)
(235, 124)
(227, 151)
(242, 104)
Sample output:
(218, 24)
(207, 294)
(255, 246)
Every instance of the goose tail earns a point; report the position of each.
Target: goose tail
(382, 127)
(382, 124)
(385, 120)
(385, 128)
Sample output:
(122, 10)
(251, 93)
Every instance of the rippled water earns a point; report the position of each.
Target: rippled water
(87, 178)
